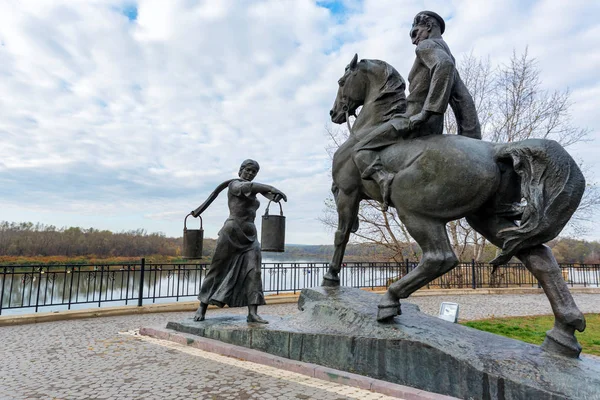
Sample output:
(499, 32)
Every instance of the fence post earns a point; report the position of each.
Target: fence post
(141, 291)
(2, 291)
(178, 279)
(37, 298)
(100, 291)
(72, 276)
(474, 281)
(153, 285)
(295, 270)
(407, 267)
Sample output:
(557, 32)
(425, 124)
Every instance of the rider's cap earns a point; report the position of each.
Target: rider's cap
(436, 16)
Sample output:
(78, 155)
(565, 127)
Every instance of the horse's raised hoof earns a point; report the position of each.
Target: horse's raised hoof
(388, 308)
(563, 343)
(388, 312)
(330, 280)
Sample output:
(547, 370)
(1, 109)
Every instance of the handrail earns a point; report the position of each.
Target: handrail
(38, 288)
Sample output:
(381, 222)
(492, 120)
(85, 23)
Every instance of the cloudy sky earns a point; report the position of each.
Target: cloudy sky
(124, 114)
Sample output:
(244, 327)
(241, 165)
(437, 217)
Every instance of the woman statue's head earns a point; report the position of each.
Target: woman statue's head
(248, 170)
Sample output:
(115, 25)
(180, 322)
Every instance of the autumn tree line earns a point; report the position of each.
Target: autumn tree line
(27, 239)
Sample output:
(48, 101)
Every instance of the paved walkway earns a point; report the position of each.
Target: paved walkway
(90, 359)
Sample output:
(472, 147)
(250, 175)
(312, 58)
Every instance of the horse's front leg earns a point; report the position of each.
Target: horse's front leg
(438, 258)
(347, 209)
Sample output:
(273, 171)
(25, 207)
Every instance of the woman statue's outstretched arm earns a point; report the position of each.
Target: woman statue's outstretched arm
(269, 192)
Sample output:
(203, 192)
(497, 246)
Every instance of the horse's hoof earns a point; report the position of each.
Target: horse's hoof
(386, 313)
(562, 343)
(330, 280)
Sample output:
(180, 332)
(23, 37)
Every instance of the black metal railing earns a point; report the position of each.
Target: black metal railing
(27, 289)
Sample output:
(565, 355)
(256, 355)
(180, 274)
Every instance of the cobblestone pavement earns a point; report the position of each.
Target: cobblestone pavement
(90, 359)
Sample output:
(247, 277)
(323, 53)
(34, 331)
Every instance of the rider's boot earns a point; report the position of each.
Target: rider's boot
(370, 166)
(384, 180)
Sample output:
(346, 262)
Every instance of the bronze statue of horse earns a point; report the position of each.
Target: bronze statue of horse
(517, 195)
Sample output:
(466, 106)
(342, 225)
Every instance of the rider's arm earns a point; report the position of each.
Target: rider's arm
(442, 69)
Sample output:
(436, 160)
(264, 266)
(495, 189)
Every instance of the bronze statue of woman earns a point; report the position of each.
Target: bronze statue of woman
(234, 276)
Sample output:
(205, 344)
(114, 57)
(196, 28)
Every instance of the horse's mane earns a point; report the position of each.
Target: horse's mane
(392, 98)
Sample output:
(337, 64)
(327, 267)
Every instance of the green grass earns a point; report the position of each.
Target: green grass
(533, 329)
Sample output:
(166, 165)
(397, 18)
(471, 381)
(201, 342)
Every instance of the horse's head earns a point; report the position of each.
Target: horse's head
(351, 92)
(369, 81)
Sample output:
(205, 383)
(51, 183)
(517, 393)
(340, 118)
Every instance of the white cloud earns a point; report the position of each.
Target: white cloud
(127, 124)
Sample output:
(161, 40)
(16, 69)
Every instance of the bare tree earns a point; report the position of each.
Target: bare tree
(382, 228)
(478, 76)
(524, 110)
(513, 106)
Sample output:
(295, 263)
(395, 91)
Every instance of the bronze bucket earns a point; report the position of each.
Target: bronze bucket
(272, 236)
(192, 240)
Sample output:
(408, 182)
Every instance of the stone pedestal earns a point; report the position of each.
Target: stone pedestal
(338, 329)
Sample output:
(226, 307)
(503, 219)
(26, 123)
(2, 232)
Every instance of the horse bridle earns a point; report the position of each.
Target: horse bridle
(346, 110)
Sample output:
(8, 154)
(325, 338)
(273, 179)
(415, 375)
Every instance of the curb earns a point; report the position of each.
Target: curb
(8, 320)
(303, 368)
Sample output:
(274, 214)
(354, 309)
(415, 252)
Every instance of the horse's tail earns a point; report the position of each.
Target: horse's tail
(552, 185)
